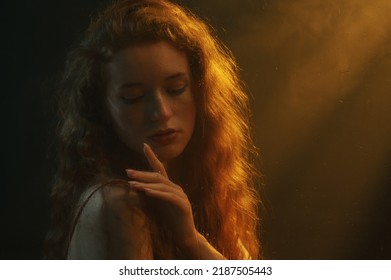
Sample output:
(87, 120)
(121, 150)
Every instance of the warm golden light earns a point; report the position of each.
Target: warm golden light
(319, 72)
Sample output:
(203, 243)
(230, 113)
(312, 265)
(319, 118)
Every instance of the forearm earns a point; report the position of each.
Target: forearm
(201, 249)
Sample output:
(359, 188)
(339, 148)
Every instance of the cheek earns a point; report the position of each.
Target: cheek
(130, 131)
(189, 114)
(127, 124)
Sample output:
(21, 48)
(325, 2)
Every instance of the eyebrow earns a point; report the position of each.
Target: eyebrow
(179, 74)
(129, 85)
(139, 84)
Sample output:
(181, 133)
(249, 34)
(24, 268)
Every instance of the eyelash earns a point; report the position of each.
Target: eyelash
(127, 100)
(173, 92)
(178, 91)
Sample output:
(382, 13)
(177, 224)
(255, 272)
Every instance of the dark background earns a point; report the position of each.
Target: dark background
(319, 73)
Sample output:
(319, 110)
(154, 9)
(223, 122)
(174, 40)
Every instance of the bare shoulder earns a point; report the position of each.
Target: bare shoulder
(109, 225)
(127, 227)
(118, 198)
(88, 239)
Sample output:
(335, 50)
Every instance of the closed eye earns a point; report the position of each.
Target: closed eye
(177, 91)
(131, 100)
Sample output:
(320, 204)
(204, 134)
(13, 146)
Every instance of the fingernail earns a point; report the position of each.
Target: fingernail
(130, 172)
(146, 146)
(133, 183)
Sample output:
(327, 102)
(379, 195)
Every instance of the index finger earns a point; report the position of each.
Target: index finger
(154, 162)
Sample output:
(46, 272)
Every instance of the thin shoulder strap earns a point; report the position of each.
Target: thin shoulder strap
(78, 213)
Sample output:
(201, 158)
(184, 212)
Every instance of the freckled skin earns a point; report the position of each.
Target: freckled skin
(149, 89)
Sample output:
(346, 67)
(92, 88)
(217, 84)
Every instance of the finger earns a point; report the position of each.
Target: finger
(158, 187)
(150, 177)
(168, 197)
(147, 177)
(154, 162)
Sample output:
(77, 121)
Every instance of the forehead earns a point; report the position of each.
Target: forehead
(147, 62)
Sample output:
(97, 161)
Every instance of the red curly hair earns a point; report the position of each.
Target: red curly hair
(220, 177)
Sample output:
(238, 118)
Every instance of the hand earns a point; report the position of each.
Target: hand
(174, 203)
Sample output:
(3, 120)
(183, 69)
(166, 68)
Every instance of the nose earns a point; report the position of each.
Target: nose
(160, 107)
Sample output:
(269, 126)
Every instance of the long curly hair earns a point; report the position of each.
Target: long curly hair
(220, 177)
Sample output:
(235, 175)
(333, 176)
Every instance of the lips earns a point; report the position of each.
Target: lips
(164, 137)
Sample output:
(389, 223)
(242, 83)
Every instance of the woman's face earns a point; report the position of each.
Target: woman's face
(150, 99)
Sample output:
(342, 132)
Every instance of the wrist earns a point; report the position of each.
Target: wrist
(199, 248)
(191, 244)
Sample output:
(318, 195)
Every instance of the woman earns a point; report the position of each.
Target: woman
(156, 159)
